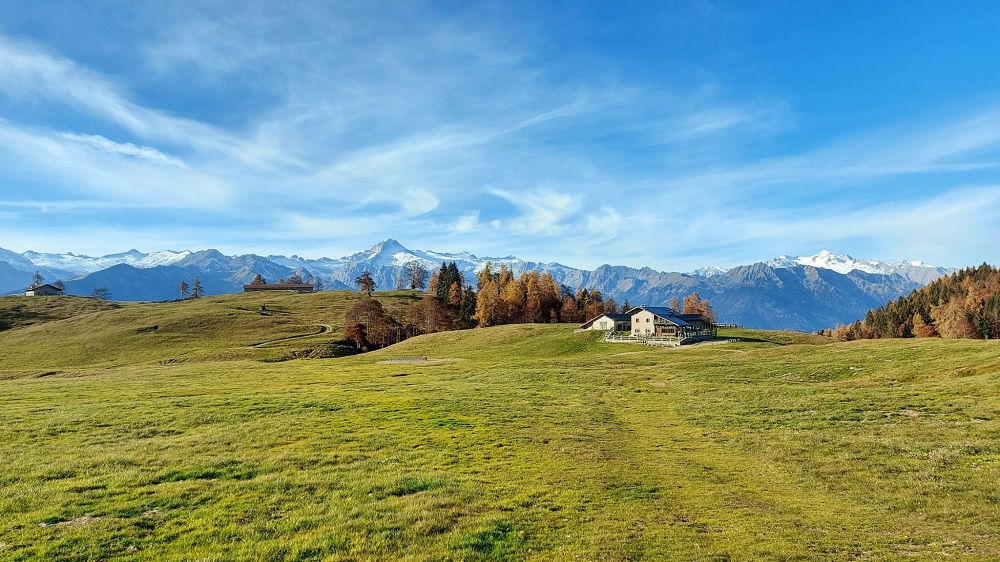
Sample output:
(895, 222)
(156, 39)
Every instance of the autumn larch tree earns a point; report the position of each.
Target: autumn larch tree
(610, 306)
(429, 315)
(694, 305)
(381, 329)
(432, 285)
(487, 303)
(485, 275)
(965, 304)
(357, 332)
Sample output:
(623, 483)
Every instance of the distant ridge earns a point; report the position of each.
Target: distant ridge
(802, 293)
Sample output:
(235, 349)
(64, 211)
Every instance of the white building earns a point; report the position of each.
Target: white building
(45, 290)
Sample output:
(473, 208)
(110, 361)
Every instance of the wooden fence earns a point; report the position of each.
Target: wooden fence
(616, 337)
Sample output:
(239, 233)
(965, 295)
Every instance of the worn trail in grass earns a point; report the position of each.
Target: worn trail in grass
(542, 444)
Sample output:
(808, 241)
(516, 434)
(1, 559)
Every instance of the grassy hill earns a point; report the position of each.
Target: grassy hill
(76, 332)
(19, 312)
(511, 443)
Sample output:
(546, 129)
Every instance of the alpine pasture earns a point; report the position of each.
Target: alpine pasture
(202, 430)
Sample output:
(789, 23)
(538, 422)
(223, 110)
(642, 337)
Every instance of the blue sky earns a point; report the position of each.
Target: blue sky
(669, 134)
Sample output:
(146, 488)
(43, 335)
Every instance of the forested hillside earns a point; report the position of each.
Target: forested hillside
(965, 304)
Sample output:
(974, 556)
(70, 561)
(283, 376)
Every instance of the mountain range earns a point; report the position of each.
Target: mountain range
(798, 293)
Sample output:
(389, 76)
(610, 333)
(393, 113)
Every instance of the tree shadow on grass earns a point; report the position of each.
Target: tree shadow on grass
(744, 339)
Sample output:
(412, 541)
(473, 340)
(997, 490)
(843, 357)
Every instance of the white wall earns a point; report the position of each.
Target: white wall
(642, 323)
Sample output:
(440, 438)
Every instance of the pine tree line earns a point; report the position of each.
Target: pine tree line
(965, 304)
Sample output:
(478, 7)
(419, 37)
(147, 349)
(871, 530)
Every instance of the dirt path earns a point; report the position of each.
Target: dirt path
(323, 328)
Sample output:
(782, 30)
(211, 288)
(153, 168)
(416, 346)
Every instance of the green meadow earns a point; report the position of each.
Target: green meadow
(202, 430)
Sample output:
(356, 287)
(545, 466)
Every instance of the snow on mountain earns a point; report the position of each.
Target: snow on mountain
(913, 270)
(17, 261)
(386, 259)
(709, 271)
(805, 293)
(81, 265)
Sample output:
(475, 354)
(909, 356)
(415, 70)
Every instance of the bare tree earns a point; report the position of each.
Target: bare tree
(37, 280)
(101, 293)
(183, 289)
(196, 290)
(416, 273)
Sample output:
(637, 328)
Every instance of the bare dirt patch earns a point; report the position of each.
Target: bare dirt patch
(706, 342)
(78, 522)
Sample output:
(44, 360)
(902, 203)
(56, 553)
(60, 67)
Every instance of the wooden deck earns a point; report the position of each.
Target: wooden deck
(613, 337)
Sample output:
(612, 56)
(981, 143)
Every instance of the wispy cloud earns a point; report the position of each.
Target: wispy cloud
(892, 229)
(97, 168)
(127, 149)
(333, 124)
(969, 143)
(469, 222)
(544, 211)
(209, 47)
(31, 73)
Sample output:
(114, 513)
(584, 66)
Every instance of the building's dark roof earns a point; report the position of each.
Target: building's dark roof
(670, 315)
(657, 310)
(278, 287)
(36, 287)
(692, 317)
(663, 311)
(617, 317)
(614, 317)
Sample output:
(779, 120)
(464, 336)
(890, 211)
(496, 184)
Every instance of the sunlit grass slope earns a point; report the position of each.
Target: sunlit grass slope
(18, 312)
(74, 332)
(529, 443)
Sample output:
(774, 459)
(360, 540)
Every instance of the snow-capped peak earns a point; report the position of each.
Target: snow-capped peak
(80, 264)
(388, 246)
(709, 271)
(844, 263)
